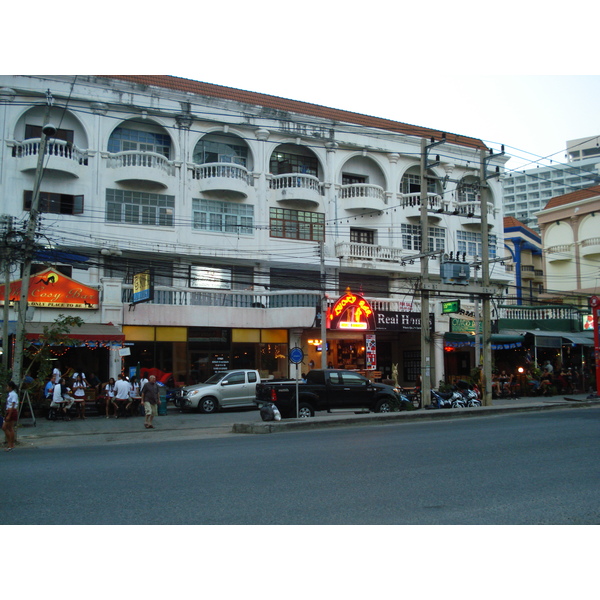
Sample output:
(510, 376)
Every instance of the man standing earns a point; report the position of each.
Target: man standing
(151, 400)
(122, 389)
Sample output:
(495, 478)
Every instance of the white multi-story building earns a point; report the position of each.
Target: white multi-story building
(529, 191)
(246, 208)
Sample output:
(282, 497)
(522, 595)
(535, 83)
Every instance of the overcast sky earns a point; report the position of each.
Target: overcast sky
(519, 73)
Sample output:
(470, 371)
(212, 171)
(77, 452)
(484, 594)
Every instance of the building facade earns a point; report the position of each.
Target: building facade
(528, 191)
(242, 211)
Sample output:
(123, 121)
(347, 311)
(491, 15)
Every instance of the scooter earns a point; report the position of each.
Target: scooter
(470, 393)
(452, 399)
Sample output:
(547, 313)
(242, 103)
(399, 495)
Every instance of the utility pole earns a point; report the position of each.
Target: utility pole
(425, 339)
(425, 257)
(485, 280)
(323, 308)
(7, 257)
(28, 248)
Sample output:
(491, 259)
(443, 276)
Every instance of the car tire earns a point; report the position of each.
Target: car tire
(383, 406)
(305, 411)
(208, 405)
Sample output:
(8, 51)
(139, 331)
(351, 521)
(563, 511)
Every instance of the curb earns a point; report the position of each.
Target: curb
(380, 419)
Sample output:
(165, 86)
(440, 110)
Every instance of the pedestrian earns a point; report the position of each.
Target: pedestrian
(11, 415)
(122, 389)
(109, 393)
(151, 400)
(79, 394)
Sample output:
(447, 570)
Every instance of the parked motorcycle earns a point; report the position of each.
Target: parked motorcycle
(470, 393)
(453, 399)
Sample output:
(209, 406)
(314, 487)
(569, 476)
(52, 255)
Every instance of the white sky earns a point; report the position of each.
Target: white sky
(522, 74)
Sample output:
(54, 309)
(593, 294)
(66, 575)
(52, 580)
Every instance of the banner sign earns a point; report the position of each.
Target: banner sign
(143, 288)
(50, 289)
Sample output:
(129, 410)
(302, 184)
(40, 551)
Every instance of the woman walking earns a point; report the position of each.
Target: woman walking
(10, 417)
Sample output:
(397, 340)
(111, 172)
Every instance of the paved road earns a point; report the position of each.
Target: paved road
(531, 468)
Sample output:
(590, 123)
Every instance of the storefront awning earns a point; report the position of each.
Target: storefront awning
(582, 338)
(499, 341)
(88, 332)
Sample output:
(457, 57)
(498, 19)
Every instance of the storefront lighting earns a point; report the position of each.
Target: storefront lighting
(315, 342)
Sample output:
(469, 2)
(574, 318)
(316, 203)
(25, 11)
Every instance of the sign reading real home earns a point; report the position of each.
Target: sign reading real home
(400, 321)
(51, 289)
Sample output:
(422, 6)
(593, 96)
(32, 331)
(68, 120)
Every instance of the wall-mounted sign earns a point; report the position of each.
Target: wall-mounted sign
(143, 287)
(400, 321)
(351, 312)
(50, 289)
(453, 306)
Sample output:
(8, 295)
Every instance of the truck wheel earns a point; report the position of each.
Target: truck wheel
(305, 411)
(208, 405)
(383, 406)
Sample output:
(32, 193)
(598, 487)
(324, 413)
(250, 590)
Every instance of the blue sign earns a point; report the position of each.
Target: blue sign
(296, 355)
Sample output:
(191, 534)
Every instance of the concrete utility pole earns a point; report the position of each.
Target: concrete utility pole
(485, 281)
(7, 256)
(323, 308)
(425, 339)
(426, 369)
(28, 248)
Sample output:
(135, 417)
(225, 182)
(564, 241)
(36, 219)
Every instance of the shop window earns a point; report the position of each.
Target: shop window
(60, 204)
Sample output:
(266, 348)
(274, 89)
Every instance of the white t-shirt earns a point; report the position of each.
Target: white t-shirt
(57, 393)
(122, 388)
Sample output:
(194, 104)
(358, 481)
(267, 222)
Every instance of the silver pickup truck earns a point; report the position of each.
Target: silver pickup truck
(227, 389)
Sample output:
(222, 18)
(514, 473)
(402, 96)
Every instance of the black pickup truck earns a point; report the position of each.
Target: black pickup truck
(328, 390)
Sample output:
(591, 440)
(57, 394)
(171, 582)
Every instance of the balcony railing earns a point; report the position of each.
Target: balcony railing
(411, 204)
(559, 252)
(224, 179)
(228, 298)
(590, 246)
(297, 188)
(356, 251)
(528, 313)
(362, 196)
(63, 156)
(141, 166)
(145, 160)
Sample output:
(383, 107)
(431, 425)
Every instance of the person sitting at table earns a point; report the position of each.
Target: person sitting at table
(134, 396)
(546, 384)
(122, 389)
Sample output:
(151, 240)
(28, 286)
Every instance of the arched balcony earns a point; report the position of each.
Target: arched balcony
(362, 196)
(59, 156)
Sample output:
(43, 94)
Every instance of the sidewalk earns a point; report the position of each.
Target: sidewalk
(191, 425)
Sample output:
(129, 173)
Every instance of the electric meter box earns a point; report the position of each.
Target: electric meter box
(455, 272)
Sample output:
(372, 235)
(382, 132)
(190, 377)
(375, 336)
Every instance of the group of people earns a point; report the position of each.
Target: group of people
(123, 393)
(66, 391)
(549, 381)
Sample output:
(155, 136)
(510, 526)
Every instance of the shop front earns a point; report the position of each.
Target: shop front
(375, 343)
(193, 354)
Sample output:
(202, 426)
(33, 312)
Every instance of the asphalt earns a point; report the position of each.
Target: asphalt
(177, 426)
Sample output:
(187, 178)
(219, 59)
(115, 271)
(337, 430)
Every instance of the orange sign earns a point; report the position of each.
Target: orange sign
(51, 289)
(351, 311)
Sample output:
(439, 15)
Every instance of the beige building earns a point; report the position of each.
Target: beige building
(570, 227)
